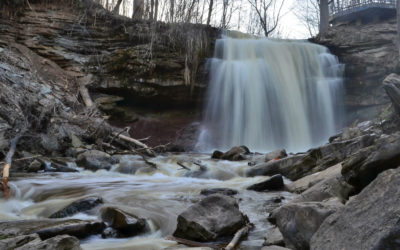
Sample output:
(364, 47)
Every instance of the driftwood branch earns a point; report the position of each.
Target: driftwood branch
(7, 166)
(136, 142)
(238, 236)
(182, 165)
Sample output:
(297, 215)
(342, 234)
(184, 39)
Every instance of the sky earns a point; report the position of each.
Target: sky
(290, 26)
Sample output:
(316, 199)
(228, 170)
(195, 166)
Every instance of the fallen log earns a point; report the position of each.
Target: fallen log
(182, 165)
(238, 236)
(7, 166)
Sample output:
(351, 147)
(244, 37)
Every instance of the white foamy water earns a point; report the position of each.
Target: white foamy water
(270, 94)
(159, 195)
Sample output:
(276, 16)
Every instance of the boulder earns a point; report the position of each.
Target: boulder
(213, 217)
(274, 237)
(370, 220)
(18, 241)
(315, 160)
(60, 242)
(95, 160)
(332, 187)
(234, 154)
(223, 191)
(292, 167)
(363, 167)
(299, 221)
(308, 181)
(391, 84)
(47, 228)
(275, 155)
(273, 183)
(126, 224)
(78, 206)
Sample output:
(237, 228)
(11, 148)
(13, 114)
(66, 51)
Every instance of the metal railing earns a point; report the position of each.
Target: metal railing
(342, 7)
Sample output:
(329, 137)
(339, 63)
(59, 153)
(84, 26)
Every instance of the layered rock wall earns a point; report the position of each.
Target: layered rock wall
(369, 53)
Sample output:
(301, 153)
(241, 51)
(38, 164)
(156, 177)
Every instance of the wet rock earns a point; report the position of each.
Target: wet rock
(332, 187)
(60, 242)
(110, 232)
(131, 167)
(369, 220)
(95, 160)
(308, 181)
(275, 155)
(80, 229)
(49, 143)
(318, 159)
(234, 154)
(126, 224)
(34, 166)
(391, 84)
(214, 216)
(274, 237)
(223, 191)
(15, 242)
(292, 167)
(363, 167)
(274, 248)
(78, 206)
(298, 222)
(273, 183)
(47, 228)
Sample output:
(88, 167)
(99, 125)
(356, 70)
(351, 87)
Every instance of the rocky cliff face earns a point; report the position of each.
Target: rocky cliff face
(369, 53)
(153, 65)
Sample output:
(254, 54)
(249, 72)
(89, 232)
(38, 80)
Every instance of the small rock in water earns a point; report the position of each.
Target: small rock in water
(95, 160)
(214, 216)
(275, 155)
(35, 166)
(109, 232)
(81, 205)
(224, 191)
(273, 183)
(234, 154)
(126, 224)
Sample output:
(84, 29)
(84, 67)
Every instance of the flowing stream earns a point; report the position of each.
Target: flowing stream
(269, 94)
(159, 195)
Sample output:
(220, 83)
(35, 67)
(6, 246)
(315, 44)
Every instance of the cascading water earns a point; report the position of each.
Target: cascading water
(268, 94)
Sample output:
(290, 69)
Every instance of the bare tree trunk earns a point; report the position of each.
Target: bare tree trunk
(138, 9)
(324, 16)
(151, 16)
(156, 10)
(171, 10)
(210, 9)
(116, 8)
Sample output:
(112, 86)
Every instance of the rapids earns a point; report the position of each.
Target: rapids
(159, 196)
(268, 94)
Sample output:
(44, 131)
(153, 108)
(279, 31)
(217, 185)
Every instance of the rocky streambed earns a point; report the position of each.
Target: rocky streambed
(345, 189)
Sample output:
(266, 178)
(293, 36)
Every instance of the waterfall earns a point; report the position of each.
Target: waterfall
(269, 94)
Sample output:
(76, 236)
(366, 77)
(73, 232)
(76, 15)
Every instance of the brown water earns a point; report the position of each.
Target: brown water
(159, 196)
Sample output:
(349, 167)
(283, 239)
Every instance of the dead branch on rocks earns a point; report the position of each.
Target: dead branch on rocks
(136, 142)
(238, 236)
